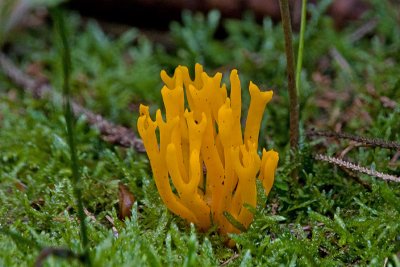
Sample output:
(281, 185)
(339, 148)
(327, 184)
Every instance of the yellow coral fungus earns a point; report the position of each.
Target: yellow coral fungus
(202, 154)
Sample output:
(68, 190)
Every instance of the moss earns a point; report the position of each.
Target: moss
(327, 219)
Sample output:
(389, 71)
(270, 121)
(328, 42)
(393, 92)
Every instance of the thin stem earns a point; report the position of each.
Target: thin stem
(299, 64)
(66, 64)
(293, 101)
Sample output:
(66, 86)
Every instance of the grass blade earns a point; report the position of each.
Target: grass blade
(60, 29)
(299, 64)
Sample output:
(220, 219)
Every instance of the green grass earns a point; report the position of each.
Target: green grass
(112, 74)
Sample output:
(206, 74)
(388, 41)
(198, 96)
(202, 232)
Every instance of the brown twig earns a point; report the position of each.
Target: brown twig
(358, 168)
(348, 149)
(110, 132)
(293, 101)
(365, 29)
(340, 59)
(374, 142)
(356, 178)
(114, 229)
(350, 172)
(234, 257)
(396, 156)
(90, 215)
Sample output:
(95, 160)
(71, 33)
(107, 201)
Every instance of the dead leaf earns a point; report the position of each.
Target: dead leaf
(20, 186)
(126, 200)
(38, 203)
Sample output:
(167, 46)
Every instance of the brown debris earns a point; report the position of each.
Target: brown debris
(349, 172)
(394, 159)
(329, 97)
(274, 206)
(365, 29)
(126, 200)
(230, 260)
(35, 70)
(90, 215)
(340, 60)
(38, 203)
(114, 229)
(387, 102)
(21, 186)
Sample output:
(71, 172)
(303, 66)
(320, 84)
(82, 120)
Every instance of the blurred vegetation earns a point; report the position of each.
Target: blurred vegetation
(327, 219)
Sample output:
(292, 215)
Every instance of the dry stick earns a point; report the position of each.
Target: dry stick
(231, 259)
(363, 30)
(374, 142)
(360, 141)
(293, 101)
(110, 132)
(340, 60)
(114, 229)
(394, 159)
(356, 178)
(358, 168)
(350, 172)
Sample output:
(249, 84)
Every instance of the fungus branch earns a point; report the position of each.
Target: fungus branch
(207, 134)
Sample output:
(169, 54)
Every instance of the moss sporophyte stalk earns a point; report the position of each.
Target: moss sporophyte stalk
(204, 166)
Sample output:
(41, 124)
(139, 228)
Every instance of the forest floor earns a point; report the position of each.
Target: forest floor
(331, 216)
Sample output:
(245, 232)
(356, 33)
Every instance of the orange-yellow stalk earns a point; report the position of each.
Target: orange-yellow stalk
(202, 151)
